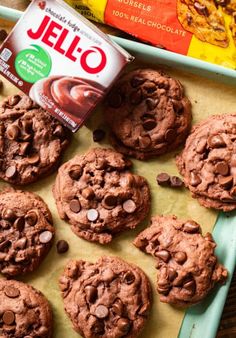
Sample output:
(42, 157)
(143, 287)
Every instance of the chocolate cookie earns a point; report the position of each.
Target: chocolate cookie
(148, 114)
(187, 266)
(208, 162)
(109, 299)
(31, 140)
(26, 231)
(99, 196)
(24, 311)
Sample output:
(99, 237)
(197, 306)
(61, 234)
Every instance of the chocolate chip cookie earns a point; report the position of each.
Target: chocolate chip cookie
(204, 20)
(31, 141)
(99, 196)
(187, 266)
(109, 299)
(208, 162)
(148, 114)
(26, 231)
(24, 311)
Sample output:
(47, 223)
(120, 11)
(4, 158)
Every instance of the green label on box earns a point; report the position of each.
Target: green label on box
(33, 64)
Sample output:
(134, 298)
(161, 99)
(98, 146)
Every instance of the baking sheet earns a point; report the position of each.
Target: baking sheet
(207, 98)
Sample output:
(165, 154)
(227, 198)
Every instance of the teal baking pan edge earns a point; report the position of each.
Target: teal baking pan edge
(157, 55)
(201, 320)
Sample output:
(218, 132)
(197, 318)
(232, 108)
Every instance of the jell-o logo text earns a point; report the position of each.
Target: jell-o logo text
(54, 35)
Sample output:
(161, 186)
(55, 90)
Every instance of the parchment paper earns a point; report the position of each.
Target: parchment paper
(207, 98)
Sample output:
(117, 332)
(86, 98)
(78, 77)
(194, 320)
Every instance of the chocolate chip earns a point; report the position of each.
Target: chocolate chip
(191, 227)
(27, 126)
(201, 9)
(144, 141)
(75, 206)
(129, 278)
(92, 215)
(110, 200)
(75, 172)
(101, 311)
(136, 97)
(88, 193)
(226, 182)
(91, 293)
(24, 148)
(12, 132)
(178, 106)
(98, 135)
(150, 87)
(123, 325)
(194, 179)
(11, 171)
(13, 100)
(11, 292)
(172, 274)
(149, 124)
(190, 286)
(45, 237)
(21, 243)
(136, 81)
(117, 307)
(180, 257)
(170, 135)
(8, 214)
(31, 218)
(152, 103)
(58, 131)
(129, 206)
(176, 182)
(222, 168)
(8, 317)
(62, 246)
(163, 179)
(216, 141)
(98, 328)
(163, 255)
(3, 34)
(33, 159)
(4, 245)
(115, 100)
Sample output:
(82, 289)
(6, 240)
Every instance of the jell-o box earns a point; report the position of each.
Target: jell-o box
(62, 61)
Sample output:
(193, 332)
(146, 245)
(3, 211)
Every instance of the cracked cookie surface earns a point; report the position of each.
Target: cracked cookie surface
(109, 299)
(148, 114)
(99, 196)
(208, 162)
(24, 311)
(187, 266)
(31, 140)
(26, 232)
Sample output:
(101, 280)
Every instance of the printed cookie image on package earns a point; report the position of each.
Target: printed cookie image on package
(203, 29)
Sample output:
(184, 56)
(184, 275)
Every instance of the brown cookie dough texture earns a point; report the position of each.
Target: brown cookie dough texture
(24, 311)
(26, 232)
(208, 162)
(109, 299)
(148, 114)
(31, 140)
(99, 196)
(187, 266)
(204, 20)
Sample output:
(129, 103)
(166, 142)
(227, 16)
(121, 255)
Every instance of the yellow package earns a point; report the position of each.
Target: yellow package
(82, 9)
(204, 29)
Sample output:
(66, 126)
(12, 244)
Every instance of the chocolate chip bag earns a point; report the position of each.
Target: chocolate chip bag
(203, 29)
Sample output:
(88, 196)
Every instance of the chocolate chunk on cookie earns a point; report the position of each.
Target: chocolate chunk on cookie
(99, 196)
(208, 162)
(109, 299)
(31, 141)
(148, 114)
(26, 231)
(24, 311)
(187, 266)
